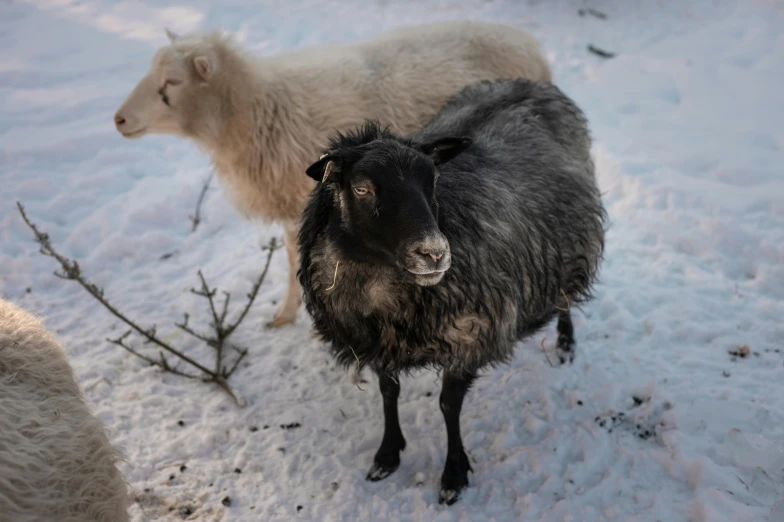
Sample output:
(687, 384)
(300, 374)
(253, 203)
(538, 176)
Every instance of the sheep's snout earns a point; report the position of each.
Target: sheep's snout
(127, 125)
(428, 258)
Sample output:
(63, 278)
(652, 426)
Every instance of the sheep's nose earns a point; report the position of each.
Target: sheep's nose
(119, 120)
(432, 250)
(431, 253)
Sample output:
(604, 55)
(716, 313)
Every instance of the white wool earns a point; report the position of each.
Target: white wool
(56, 462)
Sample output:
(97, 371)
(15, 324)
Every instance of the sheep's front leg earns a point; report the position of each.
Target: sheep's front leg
(456, 469)
(565, 346)
(387, 457)
(287, 311)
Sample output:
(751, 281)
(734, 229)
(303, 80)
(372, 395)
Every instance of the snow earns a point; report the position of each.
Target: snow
(687, 121)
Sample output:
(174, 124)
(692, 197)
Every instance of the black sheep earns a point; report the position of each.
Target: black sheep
(446, 248)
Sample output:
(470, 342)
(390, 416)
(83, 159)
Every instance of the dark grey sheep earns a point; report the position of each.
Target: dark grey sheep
(446, 248)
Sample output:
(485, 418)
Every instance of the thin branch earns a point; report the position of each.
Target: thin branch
(600, 52)
(220, 381)
(242, 355)
(71, 271)
(120, 341)
(225, 307)
(272, 246)
(592, 12)
(196, 217)
(210, 294)
(187, 329)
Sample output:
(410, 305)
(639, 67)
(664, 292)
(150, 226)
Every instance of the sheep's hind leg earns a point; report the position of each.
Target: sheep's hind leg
(287, 311)
(387, 458)
(455, 476)
(565, 346)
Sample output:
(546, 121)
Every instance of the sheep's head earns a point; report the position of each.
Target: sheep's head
(164, 101)
(384, 193)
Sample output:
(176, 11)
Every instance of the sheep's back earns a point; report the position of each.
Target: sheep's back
(56, 462)
(523, 198)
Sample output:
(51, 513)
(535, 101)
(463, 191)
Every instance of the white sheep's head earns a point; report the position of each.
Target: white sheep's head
(164, 101)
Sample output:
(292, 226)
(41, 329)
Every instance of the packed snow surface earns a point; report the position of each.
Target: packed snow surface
(656, 420)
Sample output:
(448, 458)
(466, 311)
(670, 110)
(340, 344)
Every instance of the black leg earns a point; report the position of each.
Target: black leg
(565, 346)
(456, 469)
(388, 456)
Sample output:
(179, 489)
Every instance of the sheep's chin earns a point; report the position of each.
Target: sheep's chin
(135, 134)
(430, 279)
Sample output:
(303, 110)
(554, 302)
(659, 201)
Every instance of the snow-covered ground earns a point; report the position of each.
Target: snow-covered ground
(688, 126)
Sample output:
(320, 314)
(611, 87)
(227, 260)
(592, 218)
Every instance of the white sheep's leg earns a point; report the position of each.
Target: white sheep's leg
(287, 311)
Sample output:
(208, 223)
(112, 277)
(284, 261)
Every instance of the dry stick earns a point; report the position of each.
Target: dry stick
(593, 12)
(196, 217)
(223, 332)
(600, 52)
(568, 304)
(545, 352)
(335, 278)
(217, 323)
(273, 245)
(71, 271)
(120, 341)
(359, 366)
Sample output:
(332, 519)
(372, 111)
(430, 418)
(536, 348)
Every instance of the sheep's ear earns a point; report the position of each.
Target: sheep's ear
(444, 149)
(325, 169)
(172, 35)
(204, 67)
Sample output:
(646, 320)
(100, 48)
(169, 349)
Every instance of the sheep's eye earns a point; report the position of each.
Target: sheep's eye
(360, 191)
(162, 90)
(164, 98)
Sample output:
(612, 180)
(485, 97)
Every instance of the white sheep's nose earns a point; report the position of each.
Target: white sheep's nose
(119, 121)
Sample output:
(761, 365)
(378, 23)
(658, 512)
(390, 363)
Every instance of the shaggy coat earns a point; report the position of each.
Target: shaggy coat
(56, 462)
(263, 119)
(453, 261)
(524, 221)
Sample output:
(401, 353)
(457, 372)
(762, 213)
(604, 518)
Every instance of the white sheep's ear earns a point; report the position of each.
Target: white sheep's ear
(204, 67)
(173, 37)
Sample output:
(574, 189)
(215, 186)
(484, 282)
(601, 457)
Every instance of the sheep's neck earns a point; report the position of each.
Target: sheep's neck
(263, 139)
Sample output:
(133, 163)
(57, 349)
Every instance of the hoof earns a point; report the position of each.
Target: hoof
(454, 479)
(380, 471)
(449, 496)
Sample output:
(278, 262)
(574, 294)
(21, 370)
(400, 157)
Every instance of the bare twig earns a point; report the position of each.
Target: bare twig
(72, 272)
(196, 217)
(272, 246)
(600, 52)
(243, 353)
(187, 329)
(593, 12)
(544, 350)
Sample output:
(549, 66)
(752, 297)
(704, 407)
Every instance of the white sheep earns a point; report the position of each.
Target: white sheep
(56, 462)
(262, 119)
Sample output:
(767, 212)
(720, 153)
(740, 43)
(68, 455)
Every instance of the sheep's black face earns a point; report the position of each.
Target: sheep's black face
(385, 204)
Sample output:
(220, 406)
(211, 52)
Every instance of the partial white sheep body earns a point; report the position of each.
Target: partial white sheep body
(263, 119)
(56, 462)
